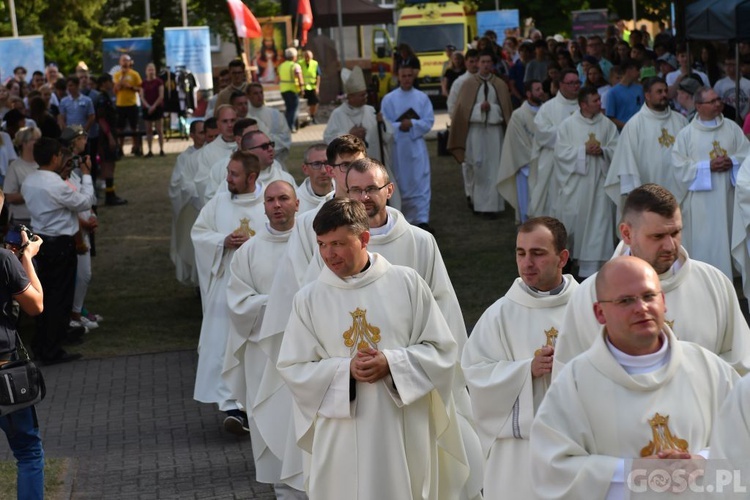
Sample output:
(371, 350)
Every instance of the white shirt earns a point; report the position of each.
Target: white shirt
(53, 204)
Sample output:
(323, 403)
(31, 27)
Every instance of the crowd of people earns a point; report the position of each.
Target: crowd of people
(332, 334)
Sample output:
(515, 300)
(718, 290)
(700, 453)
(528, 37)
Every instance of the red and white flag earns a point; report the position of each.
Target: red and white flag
(304, 10)
(244, 20)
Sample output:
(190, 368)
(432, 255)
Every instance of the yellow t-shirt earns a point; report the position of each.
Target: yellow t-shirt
(131, 80)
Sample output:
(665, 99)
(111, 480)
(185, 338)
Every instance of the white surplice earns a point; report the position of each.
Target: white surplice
(484, 144)
(251, 274)
(396, 438)
(741, 225)
(583, 206)
(595, 416)
(276, 128)
(184, 212)
(203, 161)
(644, 152)
(542, 180)
(513, 184)
(702, 307)
(731, 434)
(504, 396)
(308, 200)
(706, 197)
(221, 216)
(217, 181)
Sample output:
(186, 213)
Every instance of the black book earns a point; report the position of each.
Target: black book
(409, 114)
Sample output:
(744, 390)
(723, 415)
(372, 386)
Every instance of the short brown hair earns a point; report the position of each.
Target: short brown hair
(250, 162)
(649, 198)
(365, 164)
(345, 144)
(341, 212)
(557, 228)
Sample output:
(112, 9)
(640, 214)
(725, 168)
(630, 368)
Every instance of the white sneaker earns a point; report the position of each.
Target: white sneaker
(88, 323)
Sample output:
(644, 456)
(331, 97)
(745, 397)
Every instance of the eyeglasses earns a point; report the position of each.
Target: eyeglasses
(712, 101)
(624, 302)
(575, 82)
(343, 166)
(369, 191)
(316, 165)
(264, 146)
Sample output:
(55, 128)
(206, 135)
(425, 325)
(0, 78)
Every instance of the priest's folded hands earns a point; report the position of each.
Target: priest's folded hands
(721, 164)
(369, 365)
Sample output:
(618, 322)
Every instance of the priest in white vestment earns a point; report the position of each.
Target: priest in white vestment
(358, 118)
(370, 361)
(644, 150)
(543, 184)
(586, 142)
(223, 225)
(410, 113)
(217, 150)
(707, 156)
(702, 305)
(637, 393)
(478, 124)
(251, 274)
(272, 119)
(317, 188)
(513, 181)
(731, 435)
(185, 209)
(471, 61)
(741, 225)
(508, 358)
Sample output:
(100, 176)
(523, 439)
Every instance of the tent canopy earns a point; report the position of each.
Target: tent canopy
(355, 13)
(718, 20)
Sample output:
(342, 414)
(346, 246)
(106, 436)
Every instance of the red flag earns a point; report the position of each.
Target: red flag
(244, 20)
(304, 10)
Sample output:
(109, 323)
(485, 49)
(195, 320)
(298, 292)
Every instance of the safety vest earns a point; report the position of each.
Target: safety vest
(310, 73)
(287, 79)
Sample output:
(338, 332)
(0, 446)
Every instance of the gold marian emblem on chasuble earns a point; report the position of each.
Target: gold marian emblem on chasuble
(717, 151)
(670, 324)
(551, 339)
(244, 228)
(666, 140)
(361, 335)
(662, 438)
(593, 140)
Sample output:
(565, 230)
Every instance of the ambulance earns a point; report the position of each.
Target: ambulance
(427, 27)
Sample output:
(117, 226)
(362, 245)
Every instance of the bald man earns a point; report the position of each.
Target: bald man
(638, 392)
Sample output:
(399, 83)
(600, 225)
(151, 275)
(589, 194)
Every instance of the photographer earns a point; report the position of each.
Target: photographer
(54, 206)
(20, 283)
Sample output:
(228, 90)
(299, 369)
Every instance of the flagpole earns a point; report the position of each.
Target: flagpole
(13, 20)
(342, 59)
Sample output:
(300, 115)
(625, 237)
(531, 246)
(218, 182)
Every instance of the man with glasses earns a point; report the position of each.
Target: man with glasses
(261, 146)
(237, 82)
(595, 48)
(651, 230)
(544, 188)
(707, 156)
(637, 401)
(317, 187)
(270, 120)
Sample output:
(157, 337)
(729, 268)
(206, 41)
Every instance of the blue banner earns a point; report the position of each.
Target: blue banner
(26, 51)
(190, 48)
(504, 23)
(137, 48)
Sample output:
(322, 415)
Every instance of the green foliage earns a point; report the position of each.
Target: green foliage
(264, 8)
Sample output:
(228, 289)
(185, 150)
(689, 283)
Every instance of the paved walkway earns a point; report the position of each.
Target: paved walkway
(132, 429)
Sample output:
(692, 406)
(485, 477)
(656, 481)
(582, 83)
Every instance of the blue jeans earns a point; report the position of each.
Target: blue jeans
(22, 432)
(291, 103)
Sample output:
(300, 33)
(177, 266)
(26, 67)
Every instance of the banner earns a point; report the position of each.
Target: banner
(137, 48)
(26, 51)
(589, 22)
(504, 23)
(191, 48)
(267, 52)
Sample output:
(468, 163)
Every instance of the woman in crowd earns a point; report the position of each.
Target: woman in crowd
(4, 104)
(595, 78)
(18, 170)
(456, 68)
(152, 100)
(46, 123)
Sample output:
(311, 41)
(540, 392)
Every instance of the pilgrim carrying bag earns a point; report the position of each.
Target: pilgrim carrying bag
(21, 383)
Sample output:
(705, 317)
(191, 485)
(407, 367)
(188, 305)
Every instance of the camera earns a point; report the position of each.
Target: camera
(14, 242)
(76, 162)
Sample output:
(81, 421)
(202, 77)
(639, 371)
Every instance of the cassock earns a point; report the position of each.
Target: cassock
(596, 416)
(644, 152)
(278, 129)
(731, 434)
(476, 137)
(411, 161)
(497, 364)
(402, 244)
(396, 438)
(346, 117)
(706, 197)
(308, 200)
(184, 212)
(217, 181)
(251, 274)
(702, 307)
(203, 161)
(224, 214)
(451, 104)
(583, 206)
(542, 180)
(513, 177)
